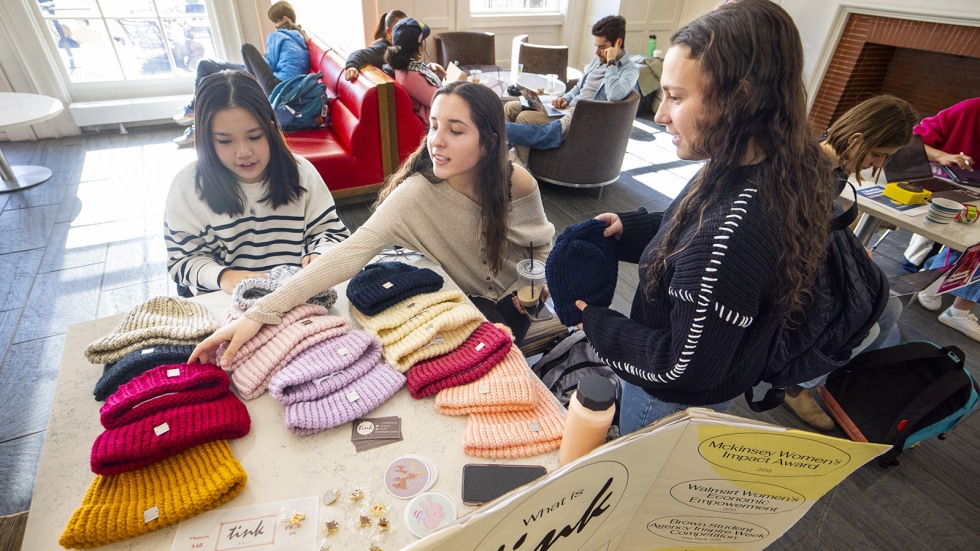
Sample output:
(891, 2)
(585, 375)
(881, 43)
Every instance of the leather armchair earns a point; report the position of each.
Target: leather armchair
(471, 50)
(544, 60)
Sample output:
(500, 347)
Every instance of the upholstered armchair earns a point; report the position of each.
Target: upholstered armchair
(544, 60)
(472, 50)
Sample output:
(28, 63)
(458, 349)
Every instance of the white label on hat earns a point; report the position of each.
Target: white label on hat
(318, 381)
(151, 514)
(438, 339)
(534, 426)
(480, 346)
(387, 285)
(175, 372)
(147, 351)
(160, 429)
(307, 322)
(484, 388)
(352, 396)
(343, 351)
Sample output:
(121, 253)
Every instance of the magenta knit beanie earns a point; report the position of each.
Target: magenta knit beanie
(326, 367)
(162, 388)
(275, 345)
(346, 404)
(472, 360)
(168, 432)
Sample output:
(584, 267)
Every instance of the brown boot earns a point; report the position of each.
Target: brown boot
(809, 411)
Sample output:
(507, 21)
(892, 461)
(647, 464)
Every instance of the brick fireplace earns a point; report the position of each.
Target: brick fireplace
(930, 65)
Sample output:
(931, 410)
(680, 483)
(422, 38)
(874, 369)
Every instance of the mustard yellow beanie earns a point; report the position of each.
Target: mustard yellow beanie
(131, 504)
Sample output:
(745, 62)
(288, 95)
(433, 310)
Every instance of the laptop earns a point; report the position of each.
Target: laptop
(910, 164)
(534, 102)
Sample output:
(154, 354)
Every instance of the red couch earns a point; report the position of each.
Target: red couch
(372, 127)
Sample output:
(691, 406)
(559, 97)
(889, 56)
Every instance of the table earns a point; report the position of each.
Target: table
(21, 110)
(954, 235)
(279, 465)
(498, 81)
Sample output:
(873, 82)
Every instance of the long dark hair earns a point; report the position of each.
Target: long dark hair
(215, 184)
(388, 21)
(399, 56)
(493, 172)
(752, 60)
(882, 121)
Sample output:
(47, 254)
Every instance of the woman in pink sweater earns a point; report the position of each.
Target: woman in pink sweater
(405, 57)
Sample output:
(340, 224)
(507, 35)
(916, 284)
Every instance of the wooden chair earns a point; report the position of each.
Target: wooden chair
(544, 60)
(471, 50)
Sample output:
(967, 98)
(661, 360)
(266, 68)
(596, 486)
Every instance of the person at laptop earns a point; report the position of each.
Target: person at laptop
(610, 76)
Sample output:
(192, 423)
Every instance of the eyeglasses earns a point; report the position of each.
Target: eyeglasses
(397, 252)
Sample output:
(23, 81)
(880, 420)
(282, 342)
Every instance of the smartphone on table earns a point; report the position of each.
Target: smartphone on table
(486, 482)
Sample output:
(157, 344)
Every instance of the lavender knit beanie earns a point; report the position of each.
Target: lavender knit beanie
(326, 367)
(251, 290)
(384, 284)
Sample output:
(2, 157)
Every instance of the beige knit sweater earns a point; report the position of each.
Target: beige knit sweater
(431, 218)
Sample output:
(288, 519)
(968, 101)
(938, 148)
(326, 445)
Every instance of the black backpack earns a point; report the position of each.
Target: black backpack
(849, 294)
(901, 395)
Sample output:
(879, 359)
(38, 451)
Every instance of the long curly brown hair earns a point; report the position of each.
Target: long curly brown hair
(751, 58)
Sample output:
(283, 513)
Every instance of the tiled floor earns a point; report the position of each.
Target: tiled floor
(88, 243)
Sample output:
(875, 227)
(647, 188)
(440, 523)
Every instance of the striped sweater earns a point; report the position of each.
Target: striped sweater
(201, 243)
(706, 334)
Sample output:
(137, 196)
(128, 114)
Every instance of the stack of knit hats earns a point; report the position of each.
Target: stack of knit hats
(511, 413)
(334, 382)
(582, 265)
(414, 321)
(164, 456)
(484, 349)
(162, 330)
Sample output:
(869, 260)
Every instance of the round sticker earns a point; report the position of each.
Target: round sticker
(429, 512)
(408, 476)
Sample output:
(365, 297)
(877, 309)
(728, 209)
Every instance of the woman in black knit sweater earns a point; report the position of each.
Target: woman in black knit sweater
(737, 250)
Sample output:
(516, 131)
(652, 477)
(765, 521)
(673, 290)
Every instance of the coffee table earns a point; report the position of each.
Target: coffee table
(16, 110)
(498, 81)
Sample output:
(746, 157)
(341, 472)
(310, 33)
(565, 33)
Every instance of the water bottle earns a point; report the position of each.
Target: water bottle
(651, 45)
(590, 413)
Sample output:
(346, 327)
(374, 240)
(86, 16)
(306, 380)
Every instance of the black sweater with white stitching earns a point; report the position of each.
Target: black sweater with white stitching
(705, 336)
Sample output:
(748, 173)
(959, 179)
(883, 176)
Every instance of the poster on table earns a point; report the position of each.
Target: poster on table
(697, 479)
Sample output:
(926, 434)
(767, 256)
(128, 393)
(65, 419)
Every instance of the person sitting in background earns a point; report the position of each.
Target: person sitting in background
(610, 76)
(247, 204)
(286, 55)
(375, 53)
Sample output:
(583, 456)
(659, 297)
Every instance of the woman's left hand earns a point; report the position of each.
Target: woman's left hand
(308, 258)
(581, 305)
(438, 70)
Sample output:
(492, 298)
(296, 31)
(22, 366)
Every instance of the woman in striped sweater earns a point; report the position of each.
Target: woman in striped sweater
(247, 204)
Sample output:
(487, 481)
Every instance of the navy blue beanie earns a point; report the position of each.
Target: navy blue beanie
(119, 373)
(583, 265)
(384, 284)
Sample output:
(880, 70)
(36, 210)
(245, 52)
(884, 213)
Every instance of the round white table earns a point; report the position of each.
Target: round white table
(498, 81)
(20, 110)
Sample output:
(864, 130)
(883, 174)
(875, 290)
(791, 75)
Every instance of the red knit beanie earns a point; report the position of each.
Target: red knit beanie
(472, 360)
(162, 388)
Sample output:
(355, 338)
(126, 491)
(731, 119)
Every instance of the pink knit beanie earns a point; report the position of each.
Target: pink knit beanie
(508, 386)
(472, 360)
(326, 367)
(168, 432)
(515, 434)
(346, 404)
(275, 345)
(162, 388)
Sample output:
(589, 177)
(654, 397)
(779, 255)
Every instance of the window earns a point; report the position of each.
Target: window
(112, 40)
(489, 7)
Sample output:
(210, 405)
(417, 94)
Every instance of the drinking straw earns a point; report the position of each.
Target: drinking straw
(530, 254)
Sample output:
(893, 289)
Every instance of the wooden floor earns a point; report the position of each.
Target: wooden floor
(88, 243)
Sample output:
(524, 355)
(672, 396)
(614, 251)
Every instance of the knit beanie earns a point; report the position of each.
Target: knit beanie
(160, 320)
(131, 504)
(168, 432)
(508, 386)
(162, 388)
(346, 404)
(251, 290)
(274, 346)
(583, 265)
(394, 323)
(472, 360)
(440, 335)
(326, 367)
(383, 284)
(136, 362)
(515, 434)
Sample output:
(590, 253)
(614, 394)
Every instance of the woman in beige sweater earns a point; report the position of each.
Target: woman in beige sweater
(457, 199)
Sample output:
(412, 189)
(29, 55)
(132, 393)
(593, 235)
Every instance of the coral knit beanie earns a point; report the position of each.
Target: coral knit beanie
(472, 360)
(165, 433)
(508, 386)
(346, 404)
(383, 284)
(121, 507)
(516, 434)
(275, 345)
(582, 265)
(162, 388)
(251, 290)
(326, 367)
(160, 320)
(136, 362)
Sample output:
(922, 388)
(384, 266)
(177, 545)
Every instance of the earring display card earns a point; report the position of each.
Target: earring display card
(369, 433)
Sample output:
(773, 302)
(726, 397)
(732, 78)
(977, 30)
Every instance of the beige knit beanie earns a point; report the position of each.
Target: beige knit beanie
(440, 335)
(158, 321)
(509, 386)
(395, 323)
